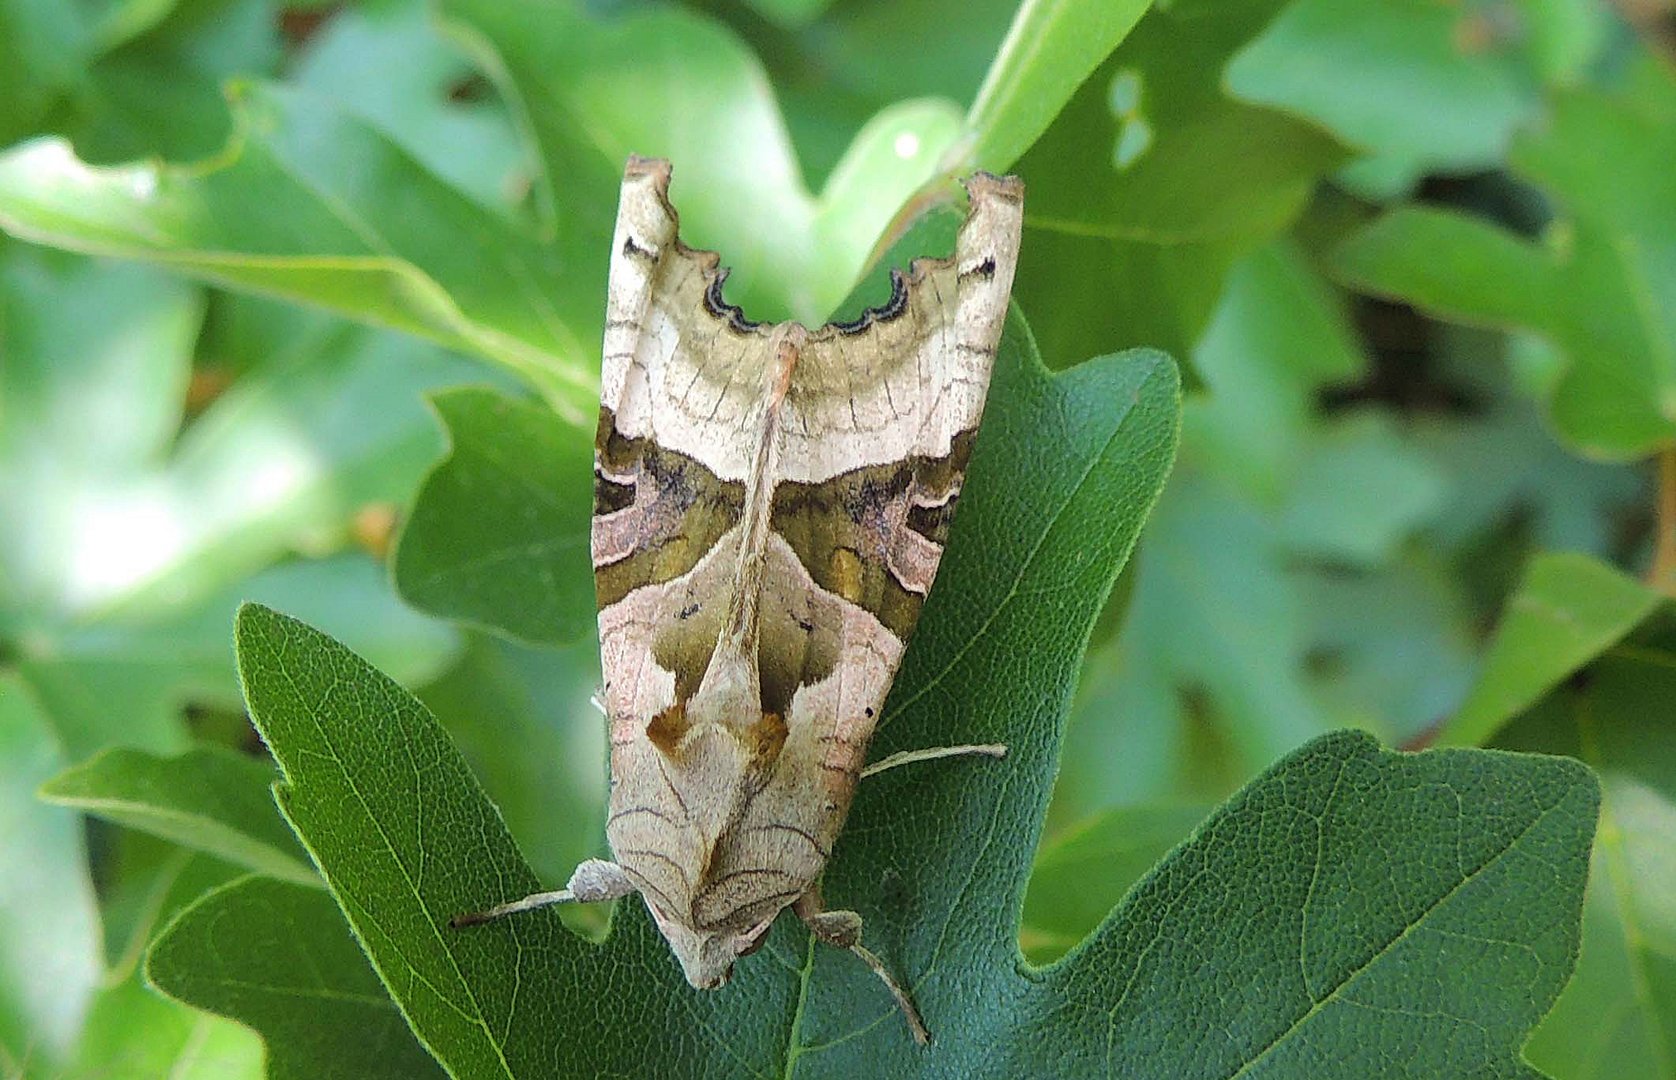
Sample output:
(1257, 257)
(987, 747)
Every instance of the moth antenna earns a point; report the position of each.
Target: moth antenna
(932, 753)
(593, 880)
(512, 907)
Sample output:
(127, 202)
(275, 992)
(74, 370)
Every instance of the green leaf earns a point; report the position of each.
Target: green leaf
(278, 956)
(116, 509)
(498, 536)
(857, 59)
(315, 206)
(129, 1029)
(1601, 290)
(390, 64)
(1152, 182)
(144, 881)
(1617, 1018)
(790, 13)
(44, 50)
(669, 83)
(1391, 860)
(874, 53)
(132, 1031)
(49, 930)
(351, 591)
(1081, 874)
(1217, 669)
(1392, 650)
(523, 720)
(158, 665)
(1063, 474)
(128, 541)
(1278, 335)
(1051, 47)
(1436, 894)
(130, 78)
(1091, 175)
(1360, 492)
(85, 404)
(159, 93)
(209, 799)
(116, 22)
(1435, 87)
(1507, 467)
(1207, 680)
(1568, 610)
(1454, 264)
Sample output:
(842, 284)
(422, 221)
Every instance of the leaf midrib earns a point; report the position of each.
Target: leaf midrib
(1035, 549)
(1351, 976)
(479, 1019)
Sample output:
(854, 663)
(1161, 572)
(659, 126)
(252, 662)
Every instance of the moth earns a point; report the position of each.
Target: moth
(770, 506)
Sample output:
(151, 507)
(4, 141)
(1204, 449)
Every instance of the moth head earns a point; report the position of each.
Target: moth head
(707, 956)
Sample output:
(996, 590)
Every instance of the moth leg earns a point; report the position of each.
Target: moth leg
(593, 879)
(843, 930)
(932, 753)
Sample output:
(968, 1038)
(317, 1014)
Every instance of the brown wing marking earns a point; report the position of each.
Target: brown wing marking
(874, 536)
(656, 513)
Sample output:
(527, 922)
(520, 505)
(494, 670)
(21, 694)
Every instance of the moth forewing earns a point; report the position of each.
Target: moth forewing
(771, 504)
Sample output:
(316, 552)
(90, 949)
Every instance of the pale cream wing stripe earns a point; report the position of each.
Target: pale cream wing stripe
(685, 369)
(915, 375)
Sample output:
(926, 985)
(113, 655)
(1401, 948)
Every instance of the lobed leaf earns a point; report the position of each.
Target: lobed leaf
(208, 799)
(390, 813)
(1082, 871)
(1349, 909)
(498, 535)
(1474, 883)
(277, 955)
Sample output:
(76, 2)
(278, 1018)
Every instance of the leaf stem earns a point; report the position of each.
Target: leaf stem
(1662, 576)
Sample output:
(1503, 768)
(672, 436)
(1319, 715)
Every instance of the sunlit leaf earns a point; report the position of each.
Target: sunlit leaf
(49, 929)
(1051, 47)
(670, 83)
(308, 203)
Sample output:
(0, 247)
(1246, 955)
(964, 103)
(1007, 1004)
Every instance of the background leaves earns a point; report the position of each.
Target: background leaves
(1413, 260)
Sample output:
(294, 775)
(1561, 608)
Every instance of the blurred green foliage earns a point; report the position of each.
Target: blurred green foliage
(300, 303)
